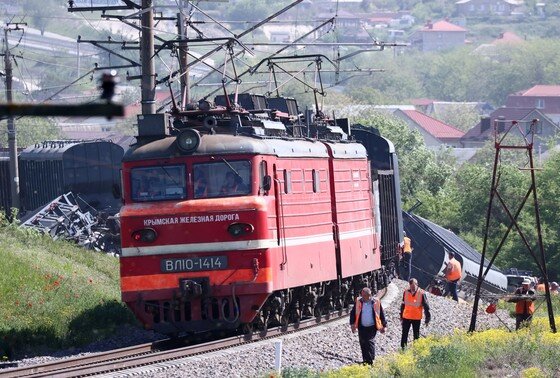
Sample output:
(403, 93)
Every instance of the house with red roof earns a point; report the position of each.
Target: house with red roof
(494, 48)
(508, 38)
(503, 117)
(546, 98)
(441, 35)
(435, 132)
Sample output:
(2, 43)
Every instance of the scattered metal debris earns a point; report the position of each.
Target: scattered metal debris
(63, 219)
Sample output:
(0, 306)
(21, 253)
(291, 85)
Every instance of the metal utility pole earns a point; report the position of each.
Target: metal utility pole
(12, 140)
(147, 59)
(502, 130)
(183, 57)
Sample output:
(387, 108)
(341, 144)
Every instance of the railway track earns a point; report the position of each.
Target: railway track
(161, 351)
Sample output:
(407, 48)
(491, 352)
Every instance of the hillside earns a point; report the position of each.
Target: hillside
(55, 294)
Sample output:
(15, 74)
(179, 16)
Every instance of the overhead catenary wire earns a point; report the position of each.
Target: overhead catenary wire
(42, 54)
(52, 64)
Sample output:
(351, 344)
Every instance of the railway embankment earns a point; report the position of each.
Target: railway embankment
(56, 296)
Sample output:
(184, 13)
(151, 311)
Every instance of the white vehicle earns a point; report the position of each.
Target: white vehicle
(514, 281)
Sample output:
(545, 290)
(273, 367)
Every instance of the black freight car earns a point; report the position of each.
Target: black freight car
(5, 190)
(90, 169)
(385, 171)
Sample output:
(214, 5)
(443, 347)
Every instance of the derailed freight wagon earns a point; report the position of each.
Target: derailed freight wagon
(429, 258)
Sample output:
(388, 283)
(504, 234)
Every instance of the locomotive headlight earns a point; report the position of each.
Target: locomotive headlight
(146, 235)
(238, 229)
(188, 140)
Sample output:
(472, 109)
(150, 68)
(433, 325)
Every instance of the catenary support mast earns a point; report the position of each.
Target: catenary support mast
(503, 133)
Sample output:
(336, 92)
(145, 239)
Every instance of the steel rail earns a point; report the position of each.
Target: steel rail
(49, 367)
(148, 354)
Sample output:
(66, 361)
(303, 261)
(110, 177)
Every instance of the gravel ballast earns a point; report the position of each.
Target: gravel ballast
(322, 348)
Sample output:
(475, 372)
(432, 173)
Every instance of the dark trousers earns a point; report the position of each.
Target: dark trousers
(406, 265)
(366, 335)
(452, 289)
(406, 323)
(520, 318)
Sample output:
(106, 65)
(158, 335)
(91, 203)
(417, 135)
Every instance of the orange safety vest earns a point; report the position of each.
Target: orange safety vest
(524, 307)
(455, 273)
(376, 311)
(413, 304)
(407, 248)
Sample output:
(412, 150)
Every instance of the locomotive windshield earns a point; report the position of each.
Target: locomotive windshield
(158, 183)
(222, 179)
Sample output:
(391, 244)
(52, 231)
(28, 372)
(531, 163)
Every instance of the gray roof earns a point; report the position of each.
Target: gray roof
(224, 144)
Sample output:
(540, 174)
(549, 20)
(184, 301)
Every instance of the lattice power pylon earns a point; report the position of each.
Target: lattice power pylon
(515, 136)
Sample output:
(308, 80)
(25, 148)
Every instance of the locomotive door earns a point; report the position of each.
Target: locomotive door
(280, 221)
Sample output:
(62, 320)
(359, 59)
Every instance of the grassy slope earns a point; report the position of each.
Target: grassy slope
(55, 293)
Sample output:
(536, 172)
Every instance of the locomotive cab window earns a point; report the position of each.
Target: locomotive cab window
(158, 183)
(222, 179)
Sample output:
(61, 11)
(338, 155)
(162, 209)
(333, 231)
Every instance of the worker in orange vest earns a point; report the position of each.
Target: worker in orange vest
(453, 273)
(524, 306)
(540, 285)
(367, 317)
(554, 287)
(414, 300)
(406, 256)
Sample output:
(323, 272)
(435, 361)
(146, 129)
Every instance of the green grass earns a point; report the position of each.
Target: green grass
(54, 293)
(529, 353)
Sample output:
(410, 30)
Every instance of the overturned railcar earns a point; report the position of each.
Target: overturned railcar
(429, 259)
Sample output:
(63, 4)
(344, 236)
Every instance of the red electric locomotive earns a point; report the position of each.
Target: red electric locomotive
(234, 219)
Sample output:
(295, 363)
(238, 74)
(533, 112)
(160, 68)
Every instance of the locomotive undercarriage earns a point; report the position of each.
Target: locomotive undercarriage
(289, 306)
(201, 313)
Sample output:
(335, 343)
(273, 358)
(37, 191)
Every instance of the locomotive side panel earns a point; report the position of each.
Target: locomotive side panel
(306, 251)
(355, 222)
(353, 210)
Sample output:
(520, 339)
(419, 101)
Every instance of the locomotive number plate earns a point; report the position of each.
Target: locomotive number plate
(193, 264)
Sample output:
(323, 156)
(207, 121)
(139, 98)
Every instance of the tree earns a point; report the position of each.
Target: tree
(463, 116)
(40, 15)
(31, 130)
(548, 188)
(253, 10)
(422, 172)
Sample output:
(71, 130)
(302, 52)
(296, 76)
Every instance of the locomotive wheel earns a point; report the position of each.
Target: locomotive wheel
(247, 328)
(317, 311)
(284, 321)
